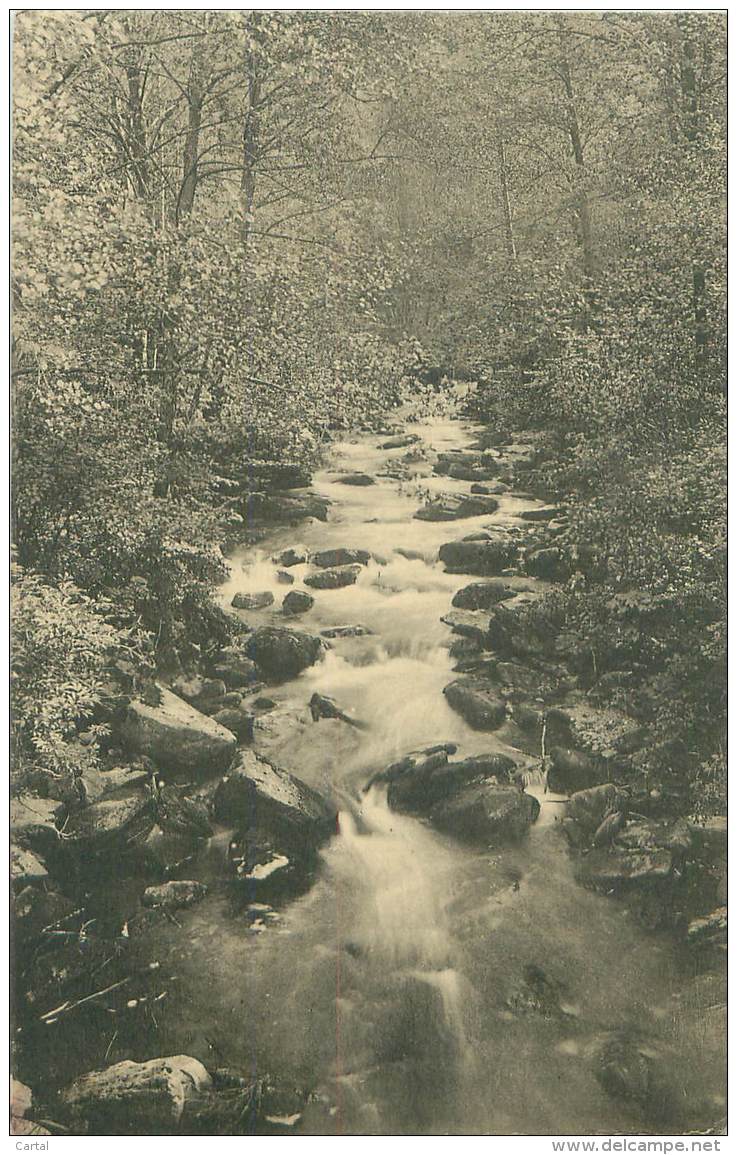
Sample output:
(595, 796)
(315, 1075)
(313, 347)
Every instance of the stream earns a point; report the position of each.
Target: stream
(388, 988)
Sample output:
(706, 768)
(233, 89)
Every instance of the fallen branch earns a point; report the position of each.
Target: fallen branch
(66, 1008)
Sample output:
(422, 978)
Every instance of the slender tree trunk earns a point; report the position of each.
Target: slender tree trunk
(692, 131)
(250, 153)
(506, 202)
(583, 207)
(136, 131)
(190, 157)
(251, 131)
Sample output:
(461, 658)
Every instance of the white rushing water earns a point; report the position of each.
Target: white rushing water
(387, 988)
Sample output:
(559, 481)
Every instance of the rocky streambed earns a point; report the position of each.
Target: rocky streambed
(383, 866)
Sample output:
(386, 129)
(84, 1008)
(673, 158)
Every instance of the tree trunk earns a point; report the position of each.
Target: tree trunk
(583, 209)
(251, 144)
(691, 132)
(506, 202)
(190, 158)
(136, 131)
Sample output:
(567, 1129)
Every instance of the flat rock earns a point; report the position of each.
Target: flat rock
(482, 595)
(453, 507)
(400, 442)
(361, 479)
(495, 488)
(174, 895)
(478, 557)
(334, 579)
(256, 601)
(463, 465)
(356, 631)
(178, 738)
(285, 507)
(544, 513)
(328, 558)
(617, 869)
(136, 1098)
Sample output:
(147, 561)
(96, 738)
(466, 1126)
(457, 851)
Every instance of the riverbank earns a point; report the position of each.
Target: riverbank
(442, 949)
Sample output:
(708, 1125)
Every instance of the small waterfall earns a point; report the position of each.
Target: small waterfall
(391, 876)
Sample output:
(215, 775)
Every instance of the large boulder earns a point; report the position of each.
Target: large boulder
(234, 668)
(334, 579)
(111, 825)
(178, 738)
(583, 726)
(204, 694)
(616, 869)
(429, 782)
(33, 822)
(587, 809)
(257, 794)
(543, 513)
(453, 507)
(467, 466)
(259, 475)
(329, 558)
(282, 653)
(486, 812)
(297, 602)
(177, 813)
(136, 1098)
(255, 601)
(468, 624)
(478, 557)
(481, 705)
(415, 765)
(96, 784)
(548, 563)
(294, 555)
(623, 1069)
(482, 595)
(237, 719)
(574, 770)
(513, 631)
(285, 507)
(25, 866)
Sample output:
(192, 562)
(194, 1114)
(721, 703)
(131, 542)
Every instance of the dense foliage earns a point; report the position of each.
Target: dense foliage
(232, 231)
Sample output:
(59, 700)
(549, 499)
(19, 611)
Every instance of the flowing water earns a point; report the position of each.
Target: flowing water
(389, 988)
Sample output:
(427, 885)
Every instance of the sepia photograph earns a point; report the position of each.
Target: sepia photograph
(368, 682)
